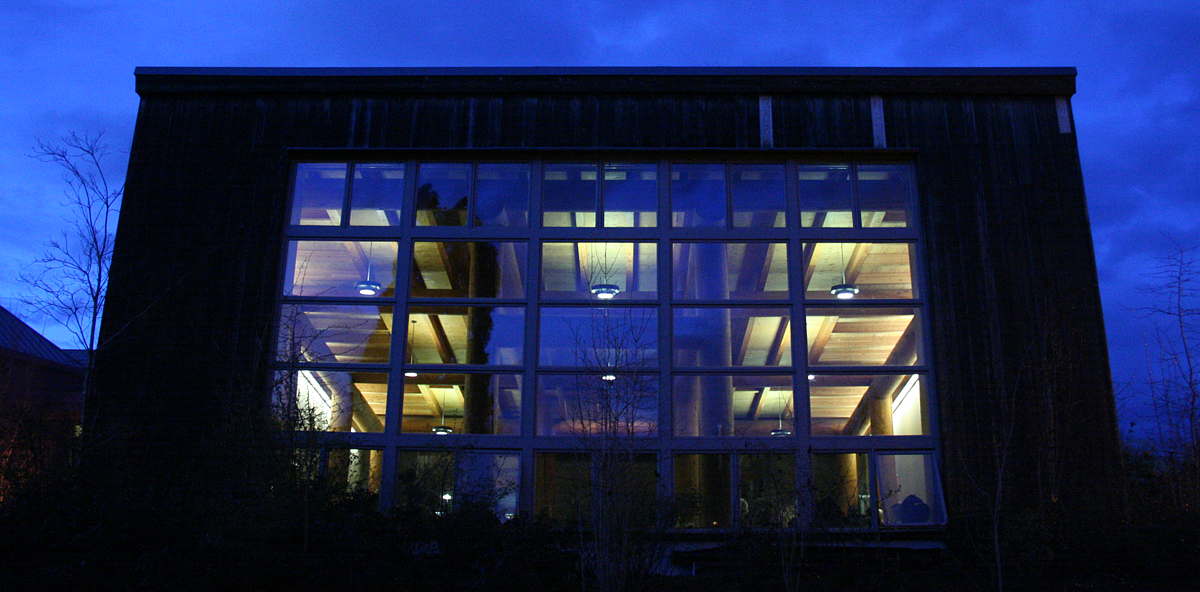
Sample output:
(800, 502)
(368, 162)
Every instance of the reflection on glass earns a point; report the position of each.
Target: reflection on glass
(442, 190)
(562, 487)
(317, 333)
(376, 194)
(620, 339)
(868, 405)
(502, 195)
(841, 491)
(885, 336)
(630, 195)
(340, 268)
(355, 471)
(599, 271)
(826, 195)
(489, 480)
(875, 270)
(909, 492)
(425, 482)
(569, 195)
(884, 194)
(327, 400)
(486, 335)
(619, 404)
(698, 195)
(459, 269)
(318, 193)
(758, 195)
(464, 403)
(702, 490)
(733, 405)
(767, 488)
(716, 337)
(723, 271)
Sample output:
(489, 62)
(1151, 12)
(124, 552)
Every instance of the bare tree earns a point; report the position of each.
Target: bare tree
(69, 281)
(1173, 370)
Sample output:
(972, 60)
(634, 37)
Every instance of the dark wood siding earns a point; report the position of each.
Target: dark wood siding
(1013, 302)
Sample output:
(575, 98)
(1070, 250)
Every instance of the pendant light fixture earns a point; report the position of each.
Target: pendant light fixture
(782, 407)
(605, 291)
(412, 355)
(443, 429)
(844, 290)
(368, 287)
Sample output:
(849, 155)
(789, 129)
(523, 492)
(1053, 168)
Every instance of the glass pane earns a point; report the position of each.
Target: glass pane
(826, 196)
(376, 194)
(562, 487)
(425, 482)
(698, 195)
(702, 490)
(767, 489)
(489, 481)
(909, 492)
(462, 404)
(318, 193)
(868, 405)
(316, 400)
(340, 268)
(455, 269)
(630, 195)
(569, 195)
(502, 195)
(841, 491)
(616, 339)
(316, 333)
(717, 337)
(487, 335)
(861, 271)
(863, 336)
(758, 195)
(442, 191)
(722, 271)
(592, 404)
(599, 271)
(733, 405)
(884, 195)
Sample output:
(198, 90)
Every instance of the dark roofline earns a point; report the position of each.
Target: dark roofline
(592, 80)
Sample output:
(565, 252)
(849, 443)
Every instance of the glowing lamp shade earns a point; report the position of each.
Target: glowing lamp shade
(410, 374)
(367, 288)
(608, 377)
(844, 291)
(442, 430)
(605, 291)
(781, 432)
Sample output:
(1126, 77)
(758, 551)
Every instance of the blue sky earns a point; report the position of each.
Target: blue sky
(68, 66)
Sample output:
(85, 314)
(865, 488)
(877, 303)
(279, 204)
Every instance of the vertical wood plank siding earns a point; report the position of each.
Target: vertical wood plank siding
(1013, 302)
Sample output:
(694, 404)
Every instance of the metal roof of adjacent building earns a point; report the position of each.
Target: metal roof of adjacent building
(20, 338)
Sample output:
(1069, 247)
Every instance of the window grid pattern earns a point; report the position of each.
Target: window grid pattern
(709, 334)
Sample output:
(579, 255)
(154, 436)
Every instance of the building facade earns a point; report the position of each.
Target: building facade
(854, 299)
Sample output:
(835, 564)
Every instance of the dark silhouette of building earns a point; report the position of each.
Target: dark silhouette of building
(41, 399)
(881, 280)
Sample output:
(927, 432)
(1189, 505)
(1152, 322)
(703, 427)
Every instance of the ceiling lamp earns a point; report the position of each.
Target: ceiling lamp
(844, 290)
(605, 291)
(780, 431)
(608, 377)
(412, 355)
(368, 287)
(443, 429)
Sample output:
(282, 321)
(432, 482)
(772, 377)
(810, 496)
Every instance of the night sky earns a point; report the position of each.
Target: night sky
(68, 66)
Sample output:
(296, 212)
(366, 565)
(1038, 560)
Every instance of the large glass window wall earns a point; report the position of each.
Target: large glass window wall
(497, 331)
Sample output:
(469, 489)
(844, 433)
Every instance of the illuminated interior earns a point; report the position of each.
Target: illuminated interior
(649, 303)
